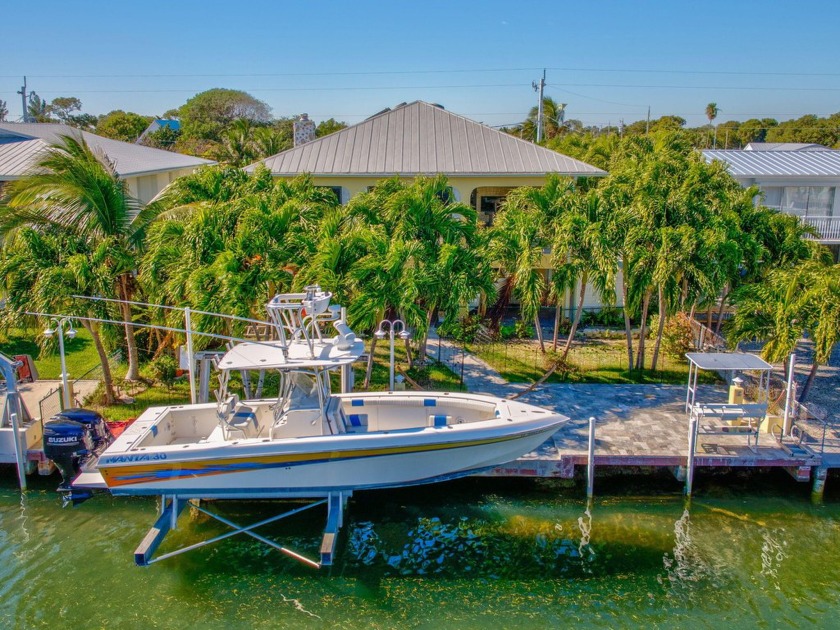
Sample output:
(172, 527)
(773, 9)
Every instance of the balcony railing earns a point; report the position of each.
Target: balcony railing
(828, 227)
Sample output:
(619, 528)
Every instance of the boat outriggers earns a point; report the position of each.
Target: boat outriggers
(307, 441)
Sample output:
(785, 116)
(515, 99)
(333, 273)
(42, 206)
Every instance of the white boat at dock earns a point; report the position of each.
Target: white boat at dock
(307, 441)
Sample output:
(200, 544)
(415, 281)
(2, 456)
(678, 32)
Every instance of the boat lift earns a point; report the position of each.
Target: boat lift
(287, 318)
(173, 505)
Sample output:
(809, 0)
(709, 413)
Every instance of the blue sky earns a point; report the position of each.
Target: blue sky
(608, 61)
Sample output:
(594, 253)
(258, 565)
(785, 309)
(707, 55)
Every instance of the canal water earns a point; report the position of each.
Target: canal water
(478, 553)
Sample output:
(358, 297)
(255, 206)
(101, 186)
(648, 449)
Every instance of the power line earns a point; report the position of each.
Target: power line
(431, 71)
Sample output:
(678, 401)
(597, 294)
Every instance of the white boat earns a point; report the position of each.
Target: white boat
(307, 441)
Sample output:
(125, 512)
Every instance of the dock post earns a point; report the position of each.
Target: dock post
(818, 487)
(692, 444)
(20, 450)
(590, 465)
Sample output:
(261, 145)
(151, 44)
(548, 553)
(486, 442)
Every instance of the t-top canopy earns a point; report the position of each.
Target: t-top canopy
(269, 355)
(727, 361)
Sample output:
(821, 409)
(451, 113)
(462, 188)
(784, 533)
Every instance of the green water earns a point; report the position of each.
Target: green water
(479, 553)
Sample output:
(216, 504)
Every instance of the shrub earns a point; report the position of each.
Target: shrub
(523, 330)
(463, 329)
(164, 369)
(676, 334)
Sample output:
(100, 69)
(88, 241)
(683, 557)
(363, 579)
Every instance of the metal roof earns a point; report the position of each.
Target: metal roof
(824, 163)
(421, 138)
(785, 146)
(17, 158)
(130, 160)
(727, 361)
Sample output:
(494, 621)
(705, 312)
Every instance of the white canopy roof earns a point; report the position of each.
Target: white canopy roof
(728, 361)
(269, 355)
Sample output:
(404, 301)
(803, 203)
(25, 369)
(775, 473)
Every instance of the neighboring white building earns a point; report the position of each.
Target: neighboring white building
(147, 171)
(797, 179)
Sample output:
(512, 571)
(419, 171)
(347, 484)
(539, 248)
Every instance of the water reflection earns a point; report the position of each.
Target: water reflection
(685, 567)
(772, 555)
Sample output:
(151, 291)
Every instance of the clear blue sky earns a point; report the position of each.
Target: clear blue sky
(347, 60)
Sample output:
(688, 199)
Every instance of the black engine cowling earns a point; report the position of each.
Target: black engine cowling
(71, 437)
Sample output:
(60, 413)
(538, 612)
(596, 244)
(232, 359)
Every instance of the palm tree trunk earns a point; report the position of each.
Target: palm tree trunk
(408, 357)
(581, 296)
(810, 381)
(133, 373)
(720, 310)
(538, 329)
(107, 378)
(558, 311)
(693, 310)
(660, 328)
(627, 330)
(370, 362)
(640, 357)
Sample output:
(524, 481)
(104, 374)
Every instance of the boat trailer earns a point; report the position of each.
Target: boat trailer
(171, 507)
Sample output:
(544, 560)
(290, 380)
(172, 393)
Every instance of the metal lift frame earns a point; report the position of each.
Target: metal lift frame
(171, 507)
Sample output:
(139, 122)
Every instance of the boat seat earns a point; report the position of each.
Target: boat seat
(245, 420)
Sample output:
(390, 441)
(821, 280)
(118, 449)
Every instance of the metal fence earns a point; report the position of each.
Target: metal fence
(50, 404)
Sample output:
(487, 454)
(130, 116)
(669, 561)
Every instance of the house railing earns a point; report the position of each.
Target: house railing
(828, 227)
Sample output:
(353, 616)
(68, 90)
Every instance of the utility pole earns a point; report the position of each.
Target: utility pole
(647, 126)
(539, 88)
(22, 93)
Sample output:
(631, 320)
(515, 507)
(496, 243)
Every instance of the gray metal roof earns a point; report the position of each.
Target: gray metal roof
(779, 163)
(130, 160)
(785, 146)
(17, 158)
(421, 138)
(726, 361)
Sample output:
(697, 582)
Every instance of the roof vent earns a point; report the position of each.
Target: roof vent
(304, 130)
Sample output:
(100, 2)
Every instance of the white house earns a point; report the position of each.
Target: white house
(796, 178)
(147, 171)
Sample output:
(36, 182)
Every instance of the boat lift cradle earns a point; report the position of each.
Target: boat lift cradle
(172, 506)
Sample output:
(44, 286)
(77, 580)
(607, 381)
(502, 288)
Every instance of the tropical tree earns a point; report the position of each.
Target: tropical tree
(120, 125)
(787, 304)
(517, 242)
(553, 115)
(43, 269)
(79, 192)
(4, 110)
(712, 112)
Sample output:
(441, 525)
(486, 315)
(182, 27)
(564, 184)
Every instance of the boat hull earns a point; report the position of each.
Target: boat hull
(317, 466)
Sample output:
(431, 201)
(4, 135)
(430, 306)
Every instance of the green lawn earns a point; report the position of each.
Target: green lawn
(595, 361)
(80, 354)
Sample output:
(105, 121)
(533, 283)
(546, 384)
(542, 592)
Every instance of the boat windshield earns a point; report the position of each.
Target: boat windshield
(301, 391)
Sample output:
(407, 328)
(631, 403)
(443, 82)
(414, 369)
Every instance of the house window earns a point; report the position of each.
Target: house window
(336, 190)
(808, 201)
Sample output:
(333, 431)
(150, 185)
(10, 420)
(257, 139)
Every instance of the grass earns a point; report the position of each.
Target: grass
(595, 361)
(80, 353)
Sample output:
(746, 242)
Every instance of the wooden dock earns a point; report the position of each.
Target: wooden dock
(647, 426)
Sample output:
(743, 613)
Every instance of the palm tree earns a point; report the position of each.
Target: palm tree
(786, 305)
(553, 115)
(43, 269)
(79, 192)
(712, 112)
(516, 247)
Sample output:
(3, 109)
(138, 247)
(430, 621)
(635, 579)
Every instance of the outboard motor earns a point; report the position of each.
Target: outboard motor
(67, 443)
(99, 430)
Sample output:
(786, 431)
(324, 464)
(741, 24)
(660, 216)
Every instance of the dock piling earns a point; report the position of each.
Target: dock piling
(692, 444)
(818, 487)
(590, 466)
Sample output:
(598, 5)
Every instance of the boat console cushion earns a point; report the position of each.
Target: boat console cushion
(357, 421)
(439, 421)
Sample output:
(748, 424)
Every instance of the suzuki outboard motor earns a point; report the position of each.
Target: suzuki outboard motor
(67, 443)
(99, 430)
